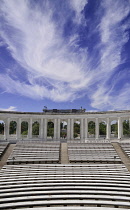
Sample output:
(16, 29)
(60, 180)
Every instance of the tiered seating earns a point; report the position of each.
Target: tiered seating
(126, 148)
(92, 152)
(35, 152)
(50, 186)
(3, 146)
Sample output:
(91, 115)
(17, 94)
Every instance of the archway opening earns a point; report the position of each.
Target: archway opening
(24, 129)
(35, 129)
(2, 127)
(102, 129)
(91, 129)
(12, 127)
(114, 129)
(50, 130)
(126, 128)
(77, 129)
(63, 129)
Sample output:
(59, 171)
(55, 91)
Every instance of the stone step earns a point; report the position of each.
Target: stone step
(6, 155)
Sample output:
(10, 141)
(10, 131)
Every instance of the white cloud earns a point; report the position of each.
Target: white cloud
(11, 108)
(40, 49)
(54, 70)
(113, 38)
(78, 7)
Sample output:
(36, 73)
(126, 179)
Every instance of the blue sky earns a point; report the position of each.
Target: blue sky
(64, 54)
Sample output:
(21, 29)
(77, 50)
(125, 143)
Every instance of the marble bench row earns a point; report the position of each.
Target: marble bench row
(34, 152)
(64, 186)
(90, 152)
(72, 208)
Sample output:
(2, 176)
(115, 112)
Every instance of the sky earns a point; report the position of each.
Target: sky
(64, 54)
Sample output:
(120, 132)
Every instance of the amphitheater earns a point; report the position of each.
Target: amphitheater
(87, 173)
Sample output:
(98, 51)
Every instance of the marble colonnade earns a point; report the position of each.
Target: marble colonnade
(83, 118)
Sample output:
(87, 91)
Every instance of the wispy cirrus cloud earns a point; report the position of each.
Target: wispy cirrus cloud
(47, 41)
(114, 35)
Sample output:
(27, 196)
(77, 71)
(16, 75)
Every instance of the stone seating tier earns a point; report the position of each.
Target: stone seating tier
(91, 152)
(46, 186)
(35, 152)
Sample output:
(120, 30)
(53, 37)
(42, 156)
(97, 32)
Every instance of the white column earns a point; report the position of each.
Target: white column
(108, 131)
(72, 129)
(97, 129)
(81, 129)
(18, 129)
(119, 128)
(41, 129)
(45, 129)
(86, 128)
(58, 129)
(6, 128)
(68, 129)
(55, 129)
(30, 129)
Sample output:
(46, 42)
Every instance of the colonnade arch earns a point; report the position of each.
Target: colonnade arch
(2, 129)
(12, 127)
(77, 129)
(50, 129)
(126, 127)
(2, 125)
(96, 125)
(63, 129)
(102, 129)
(91, 129)
(24, 128)
(114, 128)
(35, 129)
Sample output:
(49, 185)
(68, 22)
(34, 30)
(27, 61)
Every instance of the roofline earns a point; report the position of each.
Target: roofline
(42, 113)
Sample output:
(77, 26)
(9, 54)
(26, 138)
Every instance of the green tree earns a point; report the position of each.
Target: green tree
(24, 128)
(13, 126)
(76, 128)
(50, 132)
(1, 128)
(126, 129)
(35, 128)
(50, 129)
(91, 127)
(114, 128)
(102, 128)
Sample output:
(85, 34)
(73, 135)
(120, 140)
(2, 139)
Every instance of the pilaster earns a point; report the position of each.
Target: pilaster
(58, 128)
(18, 129)
(41, 129)
(68, 129)
(119, 128)
(86, 128)
(6, 128)
(30, 128)
(72, 129)
(108, 131)
(45, 129)
(81, 128)
(97, 129)
(55, 129)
